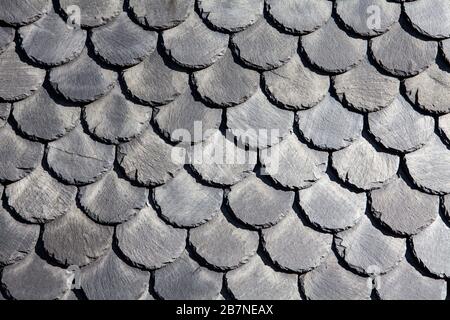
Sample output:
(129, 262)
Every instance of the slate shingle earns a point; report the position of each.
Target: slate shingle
(94, 13)
(19, 13)
(6, 37)
(419, 13)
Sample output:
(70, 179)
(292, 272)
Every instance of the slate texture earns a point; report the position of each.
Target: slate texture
(349, 199)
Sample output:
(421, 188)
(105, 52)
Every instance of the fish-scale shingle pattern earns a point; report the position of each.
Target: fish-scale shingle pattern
(355, 182)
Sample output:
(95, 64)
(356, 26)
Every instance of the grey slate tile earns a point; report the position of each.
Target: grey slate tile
(6, 37)
(226, 83)
(152, 82)
(18, 239)
(431, 247)
(258, 123)
(331, 207)
(18, 80)
(400, 127)
(362, 166)
(401, 54)
(232, 15)
(112, 279)
(236, 244)
(161, 14)
(193, 45)
(257, 204)
(293, 246)
(367, 250)
(147, 160)
(123, 43)
(444, 127)
(5, 110)
(41, 117)
(365, 89)
(74, 239)
(313, 13)
(40, 198)
(82, 80)
(19, 13)
(420, 13)
(94, 13)
(114, 119)
(257, 281)
(18, 156)
(149, 242)
(185, 203)
(330, 49)
(368, 17)
(404, 210)
(111, 199)
(185, 279)
(34, 279)
(51, 42)
(263, 47)
(329, 126)
(294, 86)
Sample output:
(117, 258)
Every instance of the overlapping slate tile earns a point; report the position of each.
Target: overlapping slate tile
(429, 167)
(331, 49)
(295, 247)
(226, 83)
(330, 281)
(331, 207)
(430, 89)
(74, 239)
(401, 53)
(258, 123)
(185, 203)
(292, 164)
(400, 127)
(114, 119)
(112, 199)
(232, 15)
(122, 42)
(286, 14)
(257, 204)
(147, 160)
(362, 166)
(261, 46)
(82, 80)
(5, 110)
(112, 279)
(368, 17)
(34, 279)
(152, 82)
(50, 41)
(257, 281)
(365, 89)
(40, 198)
(78, 159)
(93, 13)
(236, 245)
(149, 242)
(18, 156)
(19, 13)
(445, 46)
(432, 21)
(185, 279)
(42, 117)
(6, 37)
(432, 248)
(220, 162)
(444, 127)
(367, 250)
(294, 86)
(161, 14)
(406, 283)
(18, 239)
(193, 45)
(404, 210)
(18, 79)
(187, 120)
(329, 126)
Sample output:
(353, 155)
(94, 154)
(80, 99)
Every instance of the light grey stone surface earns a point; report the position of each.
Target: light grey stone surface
(6, 37)
(94, 13)
(419, 13)
(5, 110)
